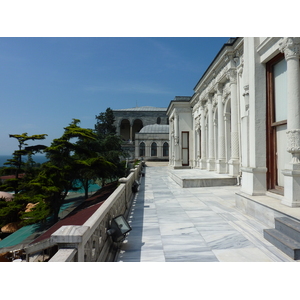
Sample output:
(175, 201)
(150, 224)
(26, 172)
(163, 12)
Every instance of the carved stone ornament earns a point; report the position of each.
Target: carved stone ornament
(293, 141)
(290, 46)
(231, 75)
(219, 88)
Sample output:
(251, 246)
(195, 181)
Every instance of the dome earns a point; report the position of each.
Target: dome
(155, 128)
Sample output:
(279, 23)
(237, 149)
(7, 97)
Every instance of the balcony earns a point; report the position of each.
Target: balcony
(173, 224)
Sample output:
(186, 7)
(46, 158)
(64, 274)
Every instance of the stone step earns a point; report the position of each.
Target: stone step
(283, 242)
(288, 227)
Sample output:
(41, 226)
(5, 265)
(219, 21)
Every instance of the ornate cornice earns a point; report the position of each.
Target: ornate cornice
(290, 46)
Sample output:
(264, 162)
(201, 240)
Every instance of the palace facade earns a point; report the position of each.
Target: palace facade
(244, 118)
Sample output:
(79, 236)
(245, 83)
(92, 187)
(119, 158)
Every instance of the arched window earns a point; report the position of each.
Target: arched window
(165, 149)
(142, 149)
(153, 149)
(158, 120)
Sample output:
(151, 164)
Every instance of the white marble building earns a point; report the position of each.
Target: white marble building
(152, 142)
(244, 118)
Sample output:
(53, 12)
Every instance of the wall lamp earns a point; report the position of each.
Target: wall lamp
(119, 227)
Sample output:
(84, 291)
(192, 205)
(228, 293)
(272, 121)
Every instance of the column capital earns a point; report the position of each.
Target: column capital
(219, 88)
(290, 46)
(209, 98)
(232, 76)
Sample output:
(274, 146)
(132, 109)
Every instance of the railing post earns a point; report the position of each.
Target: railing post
(71, 237)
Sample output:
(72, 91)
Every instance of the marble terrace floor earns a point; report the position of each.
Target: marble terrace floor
(174, 224)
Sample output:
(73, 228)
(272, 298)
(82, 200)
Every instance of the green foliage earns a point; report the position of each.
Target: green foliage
(105, 123)
(109, 145)
(79, 154)
(10, 211)
(17, 165)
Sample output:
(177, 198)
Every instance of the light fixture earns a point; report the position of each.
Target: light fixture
(118, 228)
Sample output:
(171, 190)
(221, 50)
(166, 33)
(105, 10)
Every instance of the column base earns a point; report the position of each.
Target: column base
(177, 163)
(203, 164)
(234, 167)
(211, 165)
(254, 181)
(291, 185)
(221, 166)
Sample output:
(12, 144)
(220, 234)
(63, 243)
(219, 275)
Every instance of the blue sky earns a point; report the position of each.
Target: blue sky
(46, 82)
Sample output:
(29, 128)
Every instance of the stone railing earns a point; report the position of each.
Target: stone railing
(90, 242)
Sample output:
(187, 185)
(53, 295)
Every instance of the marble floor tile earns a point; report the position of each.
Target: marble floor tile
(153, 256)
(215, 226)
(142, 244)
(190, 243)
(201, 213)
(225, 239)
(174, 224)
(249, 254)
(178, 229)
(188, 256)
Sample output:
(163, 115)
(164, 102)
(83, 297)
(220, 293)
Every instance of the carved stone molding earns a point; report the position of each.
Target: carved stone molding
(246, 96)
(293, 141)
(290, 46)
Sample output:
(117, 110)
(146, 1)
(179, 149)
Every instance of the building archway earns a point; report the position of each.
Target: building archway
(125, 129)
(136, 127)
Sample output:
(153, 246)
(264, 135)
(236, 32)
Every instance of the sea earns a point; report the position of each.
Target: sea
(37, 158)
(41, 159)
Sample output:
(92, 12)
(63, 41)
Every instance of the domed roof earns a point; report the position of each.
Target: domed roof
(155, 128)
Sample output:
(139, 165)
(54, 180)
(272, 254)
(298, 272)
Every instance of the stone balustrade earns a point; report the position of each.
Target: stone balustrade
(90, 242)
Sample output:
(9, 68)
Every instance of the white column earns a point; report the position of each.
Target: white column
(170, 141)
(203, 138)
(234, 160)
(177, 161)
(221, 163)
(198, 146)
(211, 152)
(291, 49)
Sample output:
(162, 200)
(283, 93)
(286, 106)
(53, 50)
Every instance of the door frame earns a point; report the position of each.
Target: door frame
(271, 125)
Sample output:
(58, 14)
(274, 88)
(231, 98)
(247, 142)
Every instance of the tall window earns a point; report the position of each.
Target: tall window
(277, 155)
(165, 149)
(185, 148)
(158, 120)
(153, 149)
(142, 149)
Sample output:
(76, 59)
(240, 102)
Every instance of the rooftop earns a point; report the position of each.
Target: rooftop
(155, 128)
(143, 108)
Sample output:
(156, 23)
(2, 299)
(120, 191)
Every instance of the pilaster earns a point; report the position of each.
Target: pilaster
(220, 162)
(211, 152)
(203, 138)
(234, 159)
(291, 49)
